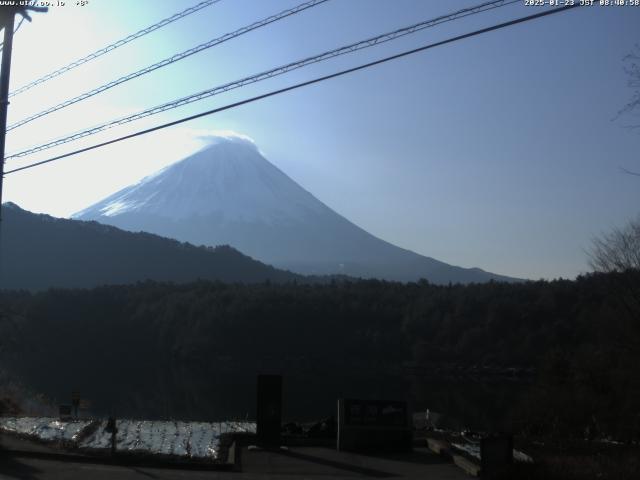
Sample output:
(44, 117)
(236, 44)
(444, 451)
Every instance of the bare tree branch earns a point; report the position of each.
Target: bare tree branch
(632, 69)
(618, 253)
(629, 172)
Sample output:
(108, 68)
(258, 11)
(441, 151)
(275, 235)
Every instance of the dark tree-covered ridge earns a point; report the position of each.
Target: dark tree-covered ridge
(40, 251)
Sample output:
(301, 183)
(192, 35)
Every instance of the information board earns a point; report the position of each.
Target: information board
(374, 425)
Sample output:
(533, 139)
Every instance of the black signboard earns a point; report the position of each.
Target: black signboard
(375, 413)
(269, 410)
(365, 425)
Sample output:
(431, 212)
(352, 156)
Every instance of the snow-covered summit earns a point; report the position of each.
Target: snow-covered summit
(228, 178)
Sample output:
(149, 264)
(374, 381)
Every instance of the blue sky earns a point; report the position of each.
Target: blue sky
(499, 151)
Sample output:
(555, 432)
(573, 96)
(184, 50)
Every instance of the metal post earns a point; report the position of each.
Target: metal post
(113, 430)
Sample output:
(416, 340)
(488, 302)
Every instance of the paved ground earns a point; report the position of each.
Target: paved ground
(36, 469)
(296, 463)
(318, 462)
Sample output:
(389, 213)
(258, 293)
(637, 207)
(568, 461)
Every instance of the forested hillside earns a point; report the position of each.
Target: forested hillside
(557, 356)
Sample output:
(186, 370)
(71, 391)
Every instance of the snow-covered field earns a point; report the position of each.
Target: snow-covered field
(48, 429)
(473, 449)
(199, 440)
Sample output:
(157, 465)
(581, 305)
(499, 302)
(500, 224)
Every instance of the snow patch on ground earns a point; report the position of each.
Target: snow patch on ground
(48, 429)
(199, 440)
(473, 449)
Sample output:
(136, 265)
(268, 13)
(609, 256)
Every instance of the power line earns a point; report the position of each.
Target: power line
(19, 25)
(379, 39)
(172, 59)
(113, 46)
(14, 32)
(300, 85)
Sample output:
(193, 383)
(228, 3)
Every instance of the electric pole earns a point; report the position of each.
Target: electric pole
(7, 21)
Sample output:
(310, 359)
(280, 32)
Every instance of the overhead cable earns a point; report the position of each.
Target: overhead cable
(113, 46)
(168, 61)
(14, 32)
(370, 42)
(299, 85)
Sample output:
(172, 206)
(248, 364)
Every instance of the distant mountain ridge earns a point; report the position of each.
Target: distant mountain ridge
(228, 193)
(39, 251)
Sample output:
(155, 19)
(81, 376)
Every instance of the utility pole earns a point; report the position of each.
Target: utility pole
(7, 21)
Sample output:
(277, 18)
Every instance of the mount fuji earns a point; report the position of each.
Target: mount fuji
(228, 193)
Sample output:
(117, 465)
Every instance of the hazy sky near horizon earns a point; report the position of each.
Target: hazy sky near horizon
(501, 151)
